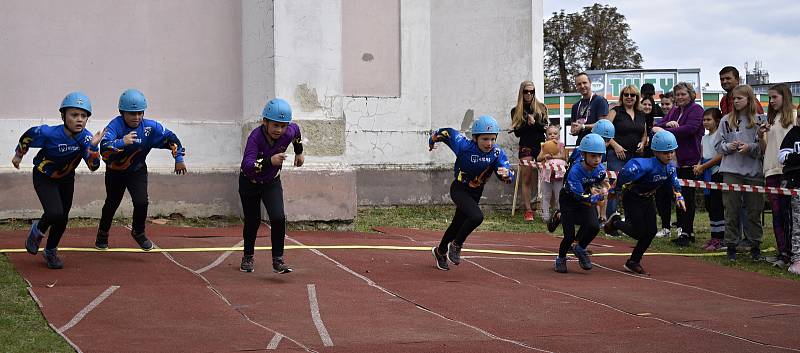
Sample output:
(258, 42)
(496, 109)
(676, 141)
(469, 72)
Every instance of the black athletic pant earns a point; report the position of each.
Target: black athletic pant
(116, 183)
(575, 213)
(664, 197)
(686, 218)
(252, 196)
(468, 214)
(716, 210)
(56, 198)
(640, 222)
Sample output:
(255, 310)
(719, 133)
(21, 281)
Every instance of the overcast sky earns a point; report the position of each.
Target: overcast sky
(709, 34)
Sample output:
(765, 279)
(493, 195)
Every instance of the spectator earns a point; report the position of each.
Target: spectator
(630, 135)
(685, 121)
(737, 141)
(709, 170)
(588, 110)
(528, 122)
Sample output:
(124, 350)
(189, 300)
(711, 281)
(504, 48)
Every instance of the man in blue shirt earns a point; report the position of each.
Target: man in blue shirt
(587, 111)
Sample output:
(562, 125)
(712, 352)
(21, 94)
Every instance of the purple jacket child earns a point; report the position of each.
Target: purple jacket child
(256, 164)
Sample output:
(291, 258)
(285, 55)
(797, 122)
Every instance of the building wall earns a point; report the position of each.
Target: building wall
(208, 67)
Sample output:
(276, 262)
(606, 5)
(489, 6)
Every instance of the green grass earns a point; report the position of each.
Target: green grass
(23, 328)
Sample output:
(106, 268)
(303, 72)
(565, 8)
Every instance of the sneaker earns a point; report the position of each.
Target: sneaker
(279, 267)
(143, 242)
(101, 241)
(554, 221)
(609, 228)
(777, 261)
(713, 244)
(755, 254)
(583, 257)
(731, 251)
(34, 239)
(561, 265)
(454, 253)
(684, 239)
(795, 267)
(635, 267)
(52, 259)
(441, 260)
(663, 233)
(528, 216)
(248, 264)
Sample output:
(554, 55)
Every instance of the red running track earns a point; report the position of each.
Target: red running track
(396, 300)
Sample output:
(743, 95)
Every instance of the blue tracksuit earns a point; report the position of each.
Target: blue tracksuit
(638, 182)
(59, 154)
(577, 205)
(472, 169)
(150, 134)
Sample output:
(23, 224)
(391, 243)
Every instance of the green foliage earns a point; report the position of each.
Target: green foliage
(595, 39)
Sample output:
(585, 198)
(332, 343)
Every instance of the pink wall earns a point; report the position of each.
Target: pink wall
(184, 55)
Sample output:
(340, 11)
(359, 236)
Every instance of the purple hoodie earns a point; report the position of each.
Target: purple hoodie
(258, 147)
(689, 133)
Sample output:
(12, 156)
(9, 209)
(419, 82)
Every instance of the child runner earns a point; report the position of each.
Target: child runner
(260, 180)
(638, 180)
(708, 168)
(61, 149)
(476, 160)
(578, 202)
(605, 129)
(551, 178)
(127, 140)
(789, 156)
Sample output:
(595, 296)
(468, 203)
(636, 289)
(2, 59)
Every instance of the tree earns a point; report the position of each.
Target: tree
(595, 39)
(562, 35)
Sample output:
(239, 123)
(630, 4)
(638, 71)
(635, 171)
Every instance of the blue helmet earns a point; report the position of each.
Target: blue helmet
(604, 128)
(277, 110)
(485, 125)
(593, 143)
(132, 100)
(664, 141)
(76, 100)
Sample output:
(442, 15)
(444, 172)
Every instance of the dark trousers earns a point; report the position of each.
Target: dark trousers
(116, 183)
(686, 218)
(468, 215)
(640, 222)
(575, 213)
(252, 196)
(56, 198)
(664, 199)
(716, 209)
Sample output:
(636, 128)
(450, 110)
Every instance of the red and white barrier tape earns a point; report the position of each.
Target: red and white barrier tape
(692, 183)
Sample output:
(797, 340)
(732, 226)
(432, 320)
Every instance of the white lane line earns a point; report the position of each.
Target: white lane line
(226, 301)
(220, 259)
(88, 308)
(372, 283)
(273, 344)
(312, 301)
(35, 298)
(74, 346)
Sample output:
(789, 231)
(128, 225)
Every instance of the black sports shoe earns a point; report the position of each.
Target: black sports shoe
(278, 266)
(454, 253)
(561, 265)
(583, 257)
(755, 254)
(101, 241)
(684, 239)
(34, 239)
(609, 227)
(441, 260)
(248, 264)
(554, 221)
(52, 259)
(143, 242)
(731, 252)
(635, 267)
